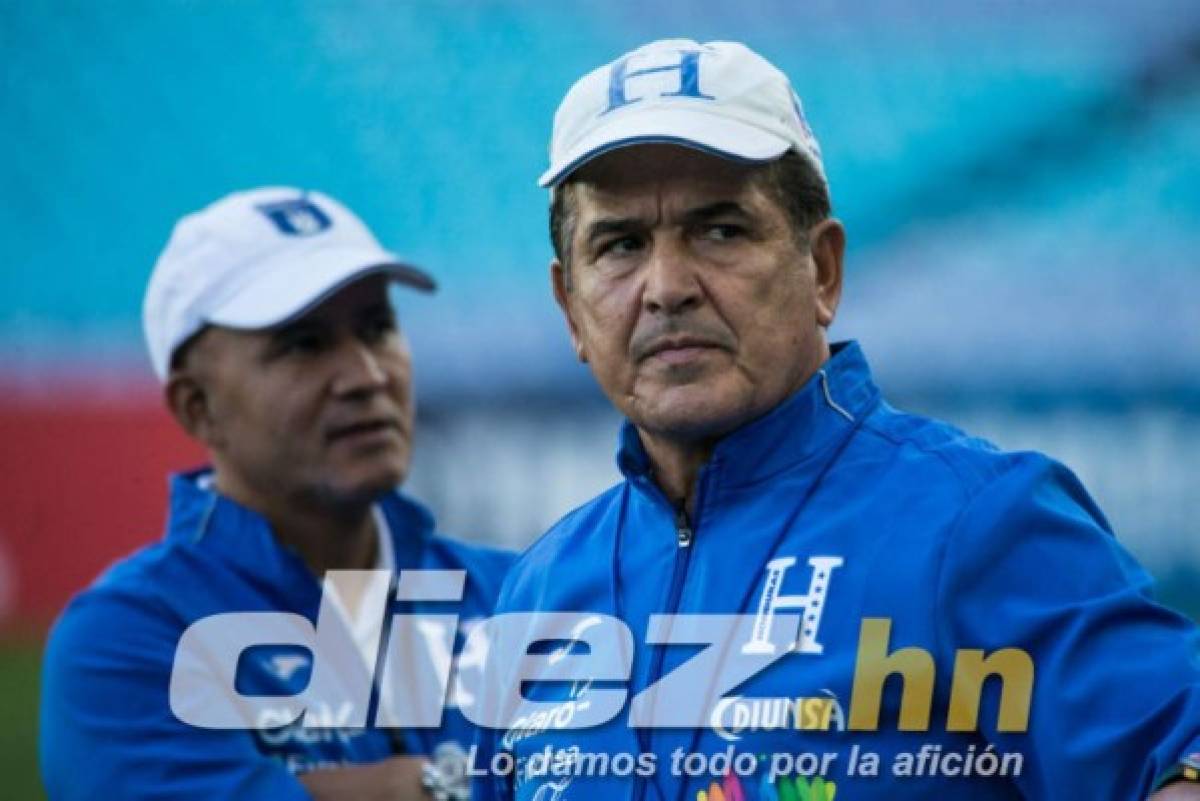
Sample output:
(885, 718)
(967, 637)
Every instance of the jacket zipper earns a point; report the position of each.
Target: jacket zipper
(685, 534)
(683, 527)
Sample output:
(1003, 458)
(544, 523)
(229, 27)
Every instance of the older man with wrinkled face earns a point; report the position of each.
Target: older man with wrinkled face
(807, 588)
(698, 302)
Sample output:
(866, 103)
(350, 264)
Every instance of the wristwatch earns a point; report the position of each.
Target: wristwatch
(444, 776)
(1187, 770)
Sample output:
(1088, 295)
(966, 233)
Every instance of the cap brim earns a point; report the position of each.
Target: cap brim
(286, 290)
(712, 133)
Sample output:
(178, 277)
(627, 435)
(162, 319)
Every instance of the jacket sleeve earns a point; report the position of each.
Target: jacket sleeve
(1033, 565)
(107, 730)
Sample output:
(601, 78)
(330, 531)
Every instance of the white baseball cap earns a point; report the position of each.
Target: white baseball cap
(256, 259)
(719, 97)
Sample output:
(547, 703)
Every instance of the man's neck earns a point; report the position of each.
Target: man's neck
(676, 462)
(326, 537)
(676, 466)
(331, 543)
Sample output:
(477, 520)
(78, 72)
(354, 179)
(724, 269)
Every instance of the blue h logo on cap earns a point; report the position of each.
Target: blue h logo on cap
(296, 217)
(689, 79)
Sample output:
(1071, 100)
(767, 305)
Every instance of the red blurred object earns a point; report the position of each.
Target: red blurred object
(83, 481)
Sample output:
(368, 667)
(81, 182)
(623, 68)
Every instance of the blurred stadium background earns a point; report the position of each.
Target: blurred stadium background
(1020, 180)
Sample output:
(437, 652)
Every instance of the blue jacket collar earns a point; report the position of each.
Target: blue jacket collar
(201, 516)
(803, 426)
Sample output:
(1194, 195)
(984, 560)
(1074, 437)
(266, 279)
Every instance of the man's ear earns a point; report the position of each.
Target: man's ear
(189, 404)
(827, 241)
(560, 282)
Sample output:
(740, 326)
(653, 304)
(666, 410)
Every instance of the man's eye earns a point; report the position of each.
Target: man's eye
(723, 232)
(621, 246)
(380, 328)
(301, 344)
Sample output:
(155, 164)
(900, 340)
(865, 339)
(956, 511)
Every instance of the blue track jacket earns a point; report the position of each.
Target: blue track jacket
(107, 729)
(884, 533)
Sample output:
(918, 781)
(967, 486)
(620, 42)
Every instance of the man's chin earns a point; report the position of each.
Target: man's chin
(694, 421)
(362, 487)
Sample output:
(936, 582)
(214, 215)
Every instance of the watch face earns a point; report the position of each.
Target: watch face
(445, 775)
(1189, 767)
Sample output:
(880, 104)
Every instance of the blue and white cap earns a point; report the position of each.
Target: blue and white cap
(256, 259)
(719, 97)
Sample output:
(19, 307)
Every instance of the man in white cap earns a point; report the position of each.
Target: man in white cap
(804, 589)
(269, 324)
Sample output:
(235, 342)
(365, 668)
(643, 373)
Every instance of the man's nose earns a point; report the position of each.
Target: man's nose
(671, 283)
(359, 369)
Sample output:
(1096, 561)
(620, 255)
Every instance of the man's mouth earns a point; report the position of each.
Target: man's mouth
(678, 350)
(362, 429)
